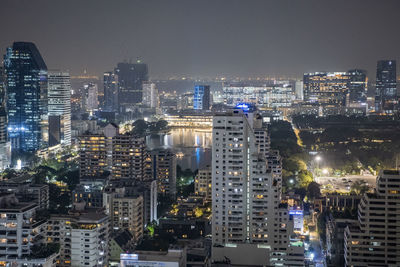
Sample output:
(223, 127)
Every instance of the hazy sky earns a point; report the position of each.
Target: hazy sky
(207, 37)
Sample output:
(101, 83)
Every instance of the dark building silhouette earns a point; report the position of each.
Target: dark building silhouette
(110, 82)
(130, 79)
(357, 87)
(54, 130)
(26, 85)
(386, 100)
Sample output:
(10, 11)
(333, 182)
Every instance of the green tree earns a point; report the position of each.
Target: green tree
(359, 187)
(304, 178)
(313, 190)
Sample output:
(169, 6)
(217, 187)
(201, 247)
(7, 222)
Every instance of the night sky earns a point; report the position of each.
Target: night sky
(207, 38)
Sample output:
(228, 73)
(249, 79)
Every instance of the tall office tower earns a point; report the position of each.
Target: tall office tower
(110, 83)
(357, 88)
(247, 215)
(164, 171)
(150, 95)
(59, 106)
(131, 78)
(299, 90)
(5, 146)
(202, 183)
(26, 85)
(201, 98)
(326, 88)
(83, 238)
(126, 211)
(386, 100)
(130, 158)
(375, 239)
(92, 101)
(92, 155)
(22, 231)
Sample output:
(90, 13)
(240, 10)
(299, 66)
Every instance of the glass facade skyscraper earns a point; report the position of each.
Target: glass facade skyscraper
(201, 99)
(130, 79)
(386, 100)
(26, 83)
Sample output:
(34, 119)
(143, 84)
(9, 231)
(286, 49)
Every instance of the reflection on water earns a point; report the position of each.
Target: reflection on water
(192, 146)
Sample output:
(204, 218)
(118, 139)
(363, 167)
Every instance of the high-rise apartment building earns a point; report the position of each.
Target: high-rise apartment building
(130, 158)
(83, 238)
(133, 188)
(164, 171)
(131, 78)
(92, 155)
(26, 85)
(21, 232)
(150, 95)
(110, 83)
(201, 98)
(202, 183)
(126, 209)
(59, 105)
(375, 239)
(248, 218)
(386, 100)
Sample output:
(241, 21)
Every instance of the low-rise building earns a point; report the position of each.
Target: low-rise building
(170, 258)
(27, 192)
(202, 183)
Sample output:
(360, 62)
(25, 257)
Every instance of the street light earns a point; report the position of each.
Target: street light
(318, 158)
(325, 171)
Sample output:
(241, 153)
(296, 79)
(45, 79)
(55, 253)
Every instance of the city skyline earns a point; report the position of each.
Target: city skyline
(205, 39)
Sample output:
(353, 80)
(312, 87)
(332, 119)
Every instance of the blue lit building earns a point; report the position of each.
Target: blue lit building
(201, 99)
(26, 85)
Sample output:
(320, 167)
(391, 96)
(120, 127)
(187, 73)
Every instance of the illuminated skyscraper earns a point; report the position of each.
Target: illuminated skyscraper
(2, 86)
(201, 99)
(326, 88)
(26, 85)
(59, 105)
(386, 100)
(110, 91)
(92, 101)
(150, 95)
(131, 78)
